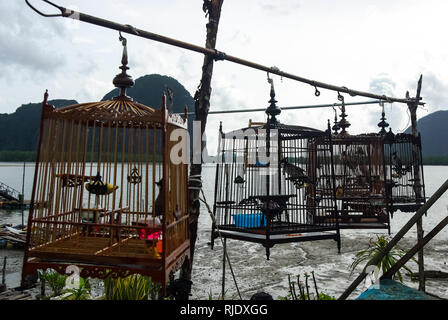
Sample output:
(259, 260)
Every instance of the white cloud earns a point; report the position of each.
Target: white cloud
(369, 45)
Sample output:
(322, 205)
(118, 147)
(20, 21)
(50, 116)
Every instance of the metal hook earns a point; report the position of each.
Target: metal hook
(316, 92)
(269, 79)
(122, 39)
(62, 14)
(340, 97)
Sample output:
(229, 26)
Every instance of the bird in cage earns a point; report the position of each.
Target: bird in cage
(98, 187)
(398, 167)
(160, 200)
(295, 174)
(347, 161)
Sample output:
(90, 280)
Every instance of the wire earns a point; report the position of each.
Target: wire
(409, 121)
(48, 15)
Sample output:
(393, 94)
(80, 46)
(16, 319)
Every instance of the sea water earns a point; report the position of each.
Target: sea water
(252, 271)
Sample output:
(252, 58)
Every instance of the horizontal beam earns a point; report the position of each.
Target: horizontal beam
(328, 105)
(218, 55)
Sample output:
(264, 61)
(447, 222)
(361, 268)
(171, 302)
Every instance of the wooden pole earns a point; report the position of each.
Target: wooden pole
(420, 212)
(23, 195)
(3, 285)
(211, 51)
(202, 106)
(223, 284)
(418, 190)
(442, 224)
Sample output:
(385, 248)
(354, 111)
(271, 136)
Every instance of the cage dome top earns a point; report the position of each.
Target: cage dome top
(121, 110)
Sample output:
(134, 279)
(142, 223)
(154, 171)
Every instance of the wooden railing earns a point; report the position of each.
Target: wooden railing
(400, 234)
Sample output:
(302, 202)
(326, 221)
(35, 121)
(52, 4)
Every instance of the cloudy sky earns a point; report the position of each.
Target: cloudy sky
(378, 46)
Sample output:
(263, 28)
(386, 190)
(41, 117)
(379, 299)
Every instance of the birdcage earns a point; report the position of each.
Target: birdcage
(405, 187)
(106, 196)
(376, 174)
(273, 182)
(360, 174)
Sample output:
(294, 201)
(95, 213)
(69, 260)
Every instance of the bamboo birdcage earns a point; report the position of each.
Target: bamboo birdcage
(106, 196)
(279, 199)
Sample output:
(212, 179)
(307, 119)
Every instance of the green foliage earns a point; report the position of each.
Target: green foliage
(302, 292)
(388, 260)
(14, 156)
(435, 161)
(133, 287)
(55, 281)
(80, 293)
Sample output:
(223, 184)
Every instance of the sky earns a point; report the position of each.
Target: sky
(376, 46)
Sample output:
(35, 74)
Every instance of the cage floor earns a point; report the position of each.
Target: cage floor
(281, 227)
(278, 238)
(96, 246)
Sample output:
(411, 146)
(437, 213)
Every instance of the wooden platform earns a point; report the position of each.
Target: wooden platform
(278, 238)
(15, 295)
(96, 249)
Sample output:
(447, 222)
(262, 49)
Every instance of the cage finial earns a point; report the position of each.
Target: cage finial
(123, 80)
(383, 124)
(343, 123)
(273, 110)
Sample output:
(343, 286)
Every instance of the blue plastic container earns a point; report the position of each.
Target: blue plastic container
(250, 220)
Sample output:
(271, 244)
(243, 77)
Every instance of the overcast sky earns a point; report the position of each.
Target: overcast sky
(378, 46)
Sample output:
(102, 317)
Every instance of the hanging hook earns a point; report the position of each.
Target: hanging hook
(340, 97)
(122, 39)
(269, 79)
(316, 92)
(62, 14)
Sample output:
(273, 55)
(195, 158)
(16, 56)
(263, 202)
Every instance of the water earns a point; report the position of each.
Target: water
(253, 272)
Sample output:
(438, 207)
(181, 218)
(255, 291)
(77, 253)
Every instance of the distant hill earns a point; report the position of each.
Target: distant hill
(20, 130)
(434, 131)
(148, 90)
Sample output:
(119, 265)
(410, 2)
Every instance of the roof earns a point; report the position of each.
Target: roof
(121, 109)
(283, 129)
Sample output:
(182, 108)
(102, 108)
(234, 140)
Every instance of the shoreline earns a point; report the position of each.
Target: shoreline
(254, 273)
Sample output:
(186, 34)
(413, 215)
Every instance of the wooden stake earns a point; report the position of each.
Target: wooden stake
(413, 111)
(202, 106)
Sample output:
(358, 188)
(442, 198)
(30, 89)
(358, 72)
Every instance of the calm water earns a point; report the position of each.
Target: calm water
(252, 270)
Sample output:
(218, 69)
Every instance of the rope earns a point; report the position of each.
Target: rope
(222, 241)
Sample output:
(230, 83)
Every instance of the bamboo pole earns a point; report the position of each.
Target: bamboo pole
(402, 261)
(420, 212)
(210, 51)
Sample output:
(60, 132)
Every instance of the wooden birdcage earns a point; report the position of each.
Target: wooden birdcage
(106, 197)
(273, 182)
(376, 174)
(360, 174)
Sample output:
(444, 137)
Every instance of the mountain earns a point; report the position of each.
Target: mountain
(148, 90)
(20, 130)
(434, 131)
